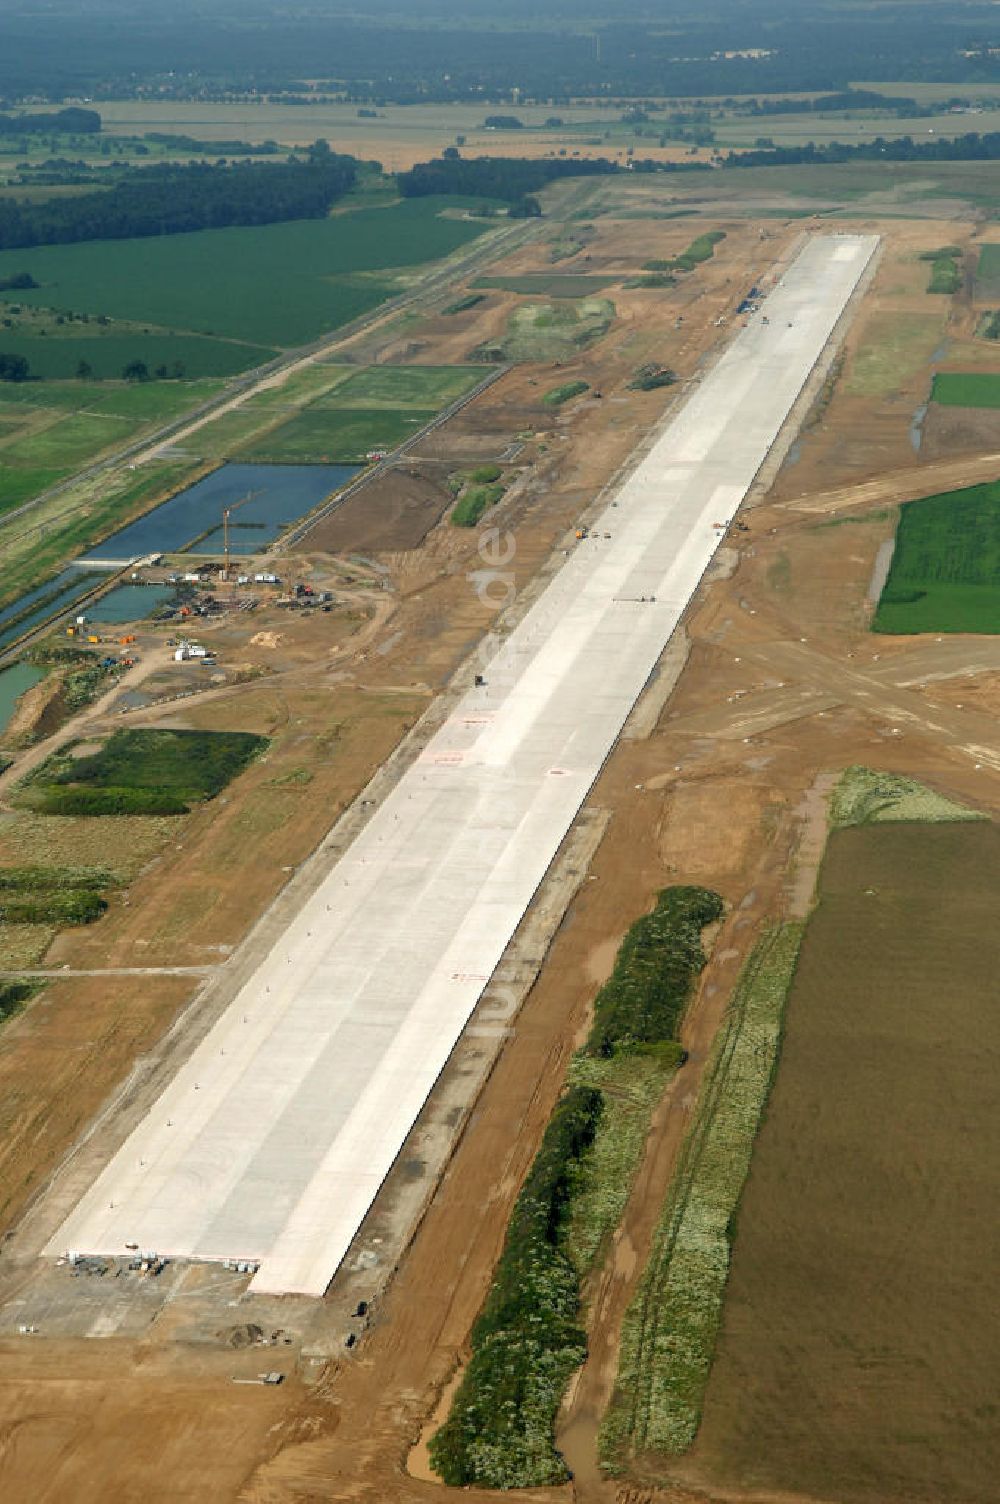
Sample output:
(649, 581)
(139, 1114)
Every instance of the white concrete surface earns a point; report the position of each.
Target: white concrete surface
(271, 1142)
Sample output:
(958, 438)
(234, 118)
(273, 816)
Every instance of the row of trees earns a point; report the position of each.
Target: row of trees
(511, 179)
(69, 122)
(971, 147)
(170, 199)
(14, 368)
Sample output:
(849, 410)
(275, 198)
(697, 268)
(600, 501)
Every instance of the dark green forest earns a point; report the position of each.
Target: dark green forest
(169, 199)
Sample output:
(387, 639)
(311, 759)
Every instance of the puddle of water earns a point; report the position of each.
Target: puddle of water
(916, 426)
(129, 603)
(284, 493)
(418, 1463)
(13, 683)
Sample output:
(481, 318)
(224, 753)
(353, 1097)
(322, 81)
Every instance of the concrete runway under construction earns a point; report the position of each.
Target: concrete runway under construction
(272, 1140)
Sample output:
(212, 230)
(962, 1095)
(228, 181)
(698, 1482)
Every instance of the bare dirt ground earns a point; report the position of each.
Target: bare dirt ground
(713, 794)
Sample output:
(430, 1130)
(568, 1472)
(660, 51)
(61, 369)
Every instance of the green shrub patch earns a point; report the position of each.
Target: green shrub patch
(527, 1340)
(643, 1001)
(14, 995)
(79, 906)
(565, 393)
(475, 501)
(141, 772)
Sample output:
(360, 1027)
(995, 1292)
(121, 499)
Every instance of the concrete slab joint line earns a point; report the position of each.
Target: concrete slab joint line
(273, 1138)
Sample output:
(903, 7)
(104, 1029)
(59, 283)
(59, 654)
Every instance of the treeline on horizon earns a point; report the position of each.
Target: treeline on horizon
(970, 147)
(171, 199)
(769, 48)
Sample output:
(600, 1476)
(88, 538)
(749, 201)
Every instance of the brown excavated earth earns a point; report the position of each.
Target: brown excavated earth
(714, 794)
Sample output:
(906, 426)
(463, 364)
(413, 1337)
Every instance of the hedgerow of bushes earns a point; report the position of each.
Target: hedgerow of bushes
(53, 895)
(35, 879)
(53, 800)
(13, 996)
(642, 1003)
(565, 393)
(527, 1341)
(476, 500)
(80, 906)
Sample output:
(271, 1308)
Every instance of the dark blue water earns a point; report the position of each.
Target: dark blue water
(37, 605)
(284, 493)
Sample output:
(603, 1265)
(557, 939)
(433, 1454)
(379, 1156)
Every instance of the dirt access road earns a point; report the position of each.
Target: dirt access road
(688, 804)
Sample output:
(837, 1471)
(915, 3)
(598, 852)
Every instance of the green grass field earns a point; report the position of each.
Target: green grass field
(323, 434)
(53, 359)
(272, 285)
(47, 430)
(301, 386)
(403, 386)
(152, 401)
(945, 570)
(895, 346)
(70, 440)
(21, 485)
(966, 389)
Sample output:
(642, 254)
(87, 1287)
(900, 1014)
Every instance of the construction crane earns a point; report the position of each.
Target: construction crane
(226, 514)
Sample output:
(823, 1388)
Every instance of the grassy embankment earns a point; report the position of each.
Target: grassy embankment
(668, 1336)
(565, 393)
(142, 772)
(481, 489)
(528, 1340)
(946, 566)
(672, 1326)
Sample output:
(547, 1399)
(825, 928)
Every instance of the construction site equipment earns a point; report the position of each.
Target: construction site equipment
(226, 514)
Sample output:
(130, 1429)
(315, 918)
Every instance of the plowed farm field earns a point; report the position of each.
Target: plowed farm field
(858, 1354)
